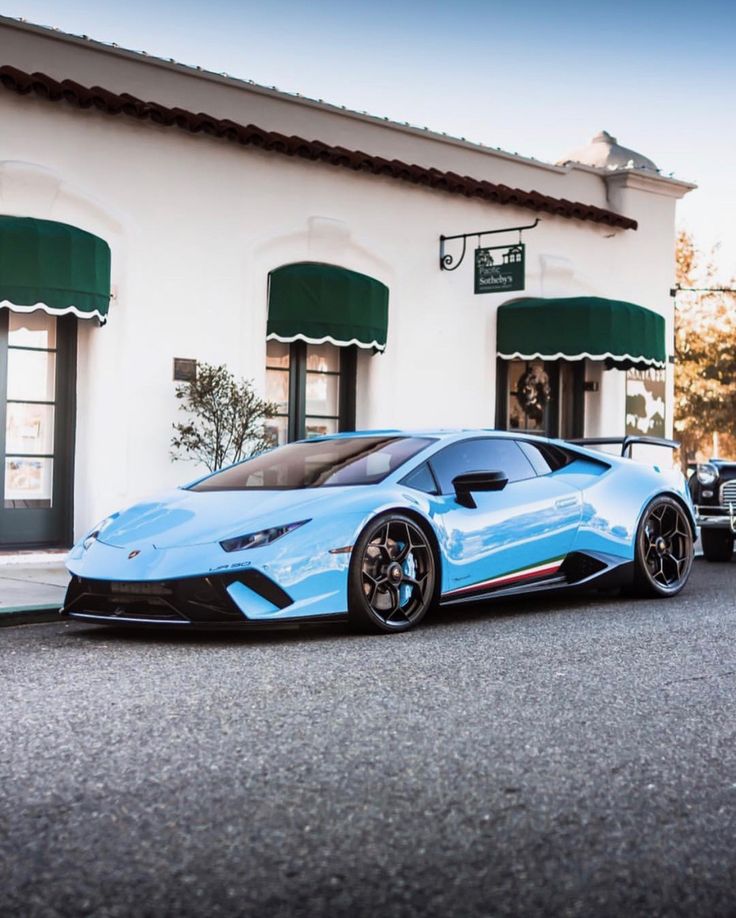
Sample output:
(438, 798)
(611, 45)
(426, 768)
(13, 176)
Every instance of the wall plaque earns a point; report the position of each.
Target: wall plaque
(185, 369)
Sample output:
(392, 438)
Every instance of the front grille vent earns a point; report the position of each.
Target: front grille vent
(728, 492)
(195, 599)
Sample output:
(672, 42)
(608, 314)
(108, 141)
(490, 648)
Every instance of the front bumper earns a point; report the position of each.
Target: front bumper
(296, 577)
(716, 517)
(214, 602)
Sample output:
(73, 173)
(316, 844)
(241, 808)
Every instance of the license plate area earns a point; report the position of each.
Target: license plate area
(140, 589)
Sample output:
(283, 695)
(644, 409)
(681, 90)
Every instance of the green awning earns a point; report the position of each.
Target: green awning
(54, 267)
(316, 303)
(573, 328)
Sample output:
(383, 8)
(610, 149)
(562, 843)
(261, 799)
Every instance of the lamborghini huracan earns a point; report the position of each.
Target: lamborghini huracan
(378, 527)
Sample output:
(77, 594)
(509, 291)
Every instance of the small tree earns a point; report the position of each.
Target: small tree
(225, 421)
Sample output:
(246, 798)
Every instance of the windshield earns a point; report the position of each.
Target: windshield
(318, 464)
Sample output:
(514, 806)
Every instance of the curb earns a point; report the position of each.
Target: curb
(28, 615)
(32, 558)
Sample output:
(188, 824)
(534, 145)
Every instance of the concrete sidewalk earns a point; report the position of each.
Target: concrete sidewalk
(32, 586)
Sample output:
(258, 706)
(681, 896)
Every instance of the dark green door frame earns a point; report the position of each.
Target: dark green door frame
(575, 420)
(41, 527)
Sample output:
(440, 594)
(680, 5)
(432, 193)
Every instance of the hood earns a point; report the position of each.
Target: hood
(181, 518)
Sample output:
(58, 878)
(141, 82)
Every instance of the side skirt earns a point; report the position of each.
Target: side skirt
(611, 573)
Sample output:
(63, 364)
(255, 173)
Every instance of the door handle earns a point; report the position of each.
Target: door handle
(565, 503)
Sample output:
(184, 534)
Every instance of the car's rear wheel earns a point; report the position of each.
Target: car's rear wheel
(393, 572)
(664, 549)
(717, 544)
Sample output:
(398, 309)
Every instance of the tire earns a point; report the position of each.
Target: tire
(717, 544)
(664, 549)
(392, 576)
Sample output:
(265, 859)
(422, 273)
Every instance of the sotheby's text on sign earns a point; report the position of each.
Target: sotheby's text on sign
(499, 269)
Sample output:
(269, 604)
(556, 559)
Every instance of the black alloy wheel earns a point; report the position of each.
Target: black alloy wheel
(664, 549)
(717, 544)
(392, 575)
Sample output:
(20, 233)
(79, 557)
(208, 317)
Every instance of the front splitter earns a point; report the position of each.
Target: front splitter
(185, 625)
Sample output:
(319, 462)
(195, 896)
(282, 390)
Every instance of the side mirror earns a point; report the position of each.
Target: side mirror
(468, 482)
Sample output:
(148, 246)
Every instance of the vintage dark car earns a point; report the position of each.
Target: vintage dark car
(713, 490)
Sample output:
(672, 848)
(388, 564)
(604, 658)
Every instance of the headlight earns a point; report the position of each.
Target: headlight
(707, 474)
(94, 533)
(258, 539)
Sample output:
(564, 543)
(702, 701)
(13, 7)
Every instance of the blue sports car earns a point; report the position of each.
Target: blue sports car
(379, 526)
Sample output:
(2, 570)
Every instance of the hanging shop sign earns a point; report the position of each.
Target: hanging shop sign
(499, 268)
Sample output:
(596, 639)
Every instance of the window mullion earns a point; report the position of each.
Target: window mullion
(347, 384)
(297, 390)
(4, 325)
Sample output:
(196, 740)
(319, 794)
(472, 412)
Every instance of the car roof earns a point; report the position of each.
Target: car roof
(438, 433)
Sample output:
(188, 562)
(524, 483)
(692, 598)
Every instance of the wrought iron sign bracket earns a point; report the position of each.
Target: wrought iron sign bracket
(447, 261)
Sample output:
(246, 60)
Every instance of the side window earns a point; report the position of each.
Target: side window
(544, 457)
(421, 479)
(481, 455)
(536, 457)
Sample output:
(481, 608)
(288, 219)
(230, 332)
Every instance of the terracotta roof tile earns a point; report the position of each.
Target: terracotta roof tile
(104, 100)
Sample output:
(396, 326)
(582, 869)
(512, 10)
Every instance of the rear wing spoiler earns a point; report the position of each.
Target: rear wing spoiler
(625, 442)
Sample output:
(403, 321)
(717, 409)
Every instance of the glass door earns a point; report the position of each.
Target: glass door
(37, 393)
(529, 396)
(545, 397)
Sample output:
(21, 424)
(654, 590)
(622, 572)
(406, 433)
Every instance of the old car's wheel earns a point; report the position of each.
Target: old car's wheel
(664, 549)
(392, 575)
(717, 544)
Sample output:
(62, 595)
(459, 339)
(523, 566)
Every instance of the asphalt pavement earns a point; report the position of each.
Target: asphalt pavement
(566, 757)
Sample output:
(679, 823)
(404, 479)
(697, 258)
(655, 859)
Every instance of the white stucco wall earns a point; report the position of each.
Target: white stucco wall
(196, 224)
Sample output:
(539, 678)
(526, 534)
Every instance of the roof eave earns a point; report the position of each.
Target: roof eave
(107, 102)
(225, 79)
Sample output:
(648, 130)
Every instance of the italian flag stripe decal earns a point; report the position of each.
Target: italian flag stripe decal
(547, 568)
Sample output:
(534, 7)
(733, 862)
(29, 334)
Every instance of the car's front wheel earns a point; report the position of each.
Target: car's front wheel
(717, 544)
(664, 549)
(392, 578)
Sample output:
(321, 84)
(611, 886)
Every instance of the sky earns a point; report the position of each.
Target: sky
(530, 76)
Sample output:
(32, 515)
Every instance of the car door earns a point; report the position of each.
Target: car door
(517, 534)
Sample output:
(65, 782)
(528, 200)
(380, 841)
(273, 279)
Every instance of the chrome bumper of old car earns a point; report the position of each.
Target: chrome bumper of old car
(723, 517)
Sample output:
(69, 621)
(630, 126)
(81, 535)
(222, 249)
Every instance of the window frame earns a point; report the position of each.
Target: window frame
(296, 424)
(43, 527)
